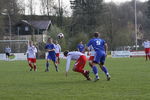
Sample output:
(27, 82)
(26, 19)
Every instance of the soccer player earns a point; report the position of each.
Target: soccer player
(146, 45)
(31, 56)
(50, 47)
(7, 51)
(80, 47)
(91, 53)
(57, 51)
(80, 59)
(100, 47)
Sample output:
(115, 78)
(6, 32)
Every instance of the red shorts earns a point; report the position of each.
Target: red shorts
(91, 58)
(57, 54)
(32, 60)
(80, 63)
(147, 50)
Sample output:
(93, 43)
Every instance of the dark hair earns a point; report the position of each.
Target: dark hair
(96, 34)
(66, 52)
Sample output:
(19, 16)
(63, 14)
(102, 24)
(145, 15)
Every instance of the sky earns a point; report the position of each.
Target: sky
(67, 4)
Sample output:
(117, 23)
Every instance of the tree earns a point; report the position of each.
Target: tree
(47, 7)
(85, 15)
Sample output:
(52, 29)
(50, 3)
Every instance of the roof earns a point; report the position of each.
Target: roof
(40, 24)
(43, 24)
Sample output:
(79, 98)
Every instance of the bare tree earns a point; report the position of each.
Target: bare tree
(47, 7)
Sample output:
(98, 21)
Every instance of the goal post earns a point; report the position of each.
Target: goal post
(18, 48)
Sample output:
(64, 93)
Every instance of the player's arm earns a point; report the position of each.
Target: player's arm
(68, 64)
(50, 50)
(26, 51)
(35, 49)
(59, 48)
(106, 48)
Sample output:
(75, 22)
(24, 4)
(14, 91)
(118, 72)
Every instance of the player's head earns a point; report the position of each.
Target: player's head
(66, 53)
(50, 40)
(81, 42)
(96, 34)
(30, 43)
(56, 42)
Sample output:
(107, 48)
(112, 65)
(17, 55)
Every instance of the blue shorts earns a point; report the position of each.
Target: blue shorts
(52, 57)
(99, 57)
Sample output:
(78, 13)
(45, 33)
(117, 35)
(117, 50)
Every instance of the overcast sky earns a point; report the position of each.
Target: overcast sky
(67, 4)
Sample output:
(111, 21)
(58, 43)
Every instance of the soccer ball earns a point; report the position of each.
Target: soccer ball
(60, 35)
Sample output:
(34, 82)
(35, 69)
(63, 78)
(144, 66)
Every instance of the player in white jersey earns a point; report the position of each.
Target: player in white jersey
(146, 45)
(7, 51)
(31, 55)
(91, 53)
(57, 51)
(80, 59)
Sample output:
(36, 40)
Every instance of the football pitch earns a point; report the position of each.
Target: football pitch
(130, 80)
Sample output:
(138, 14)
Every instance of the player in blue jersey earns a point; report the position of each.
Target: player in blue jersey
(51, 54)
(80, 47)
(100, 47)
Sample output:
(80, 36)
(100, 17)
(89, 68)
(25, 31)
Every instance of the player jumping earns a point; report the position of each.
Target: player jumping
(50, 47)
(57, 51)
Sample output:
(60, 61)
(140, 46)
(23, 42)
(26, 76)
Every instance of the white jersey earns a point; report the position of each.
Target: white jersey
(92, 51)
(75, 55)
(7, 50)
(146, 44)
(31, 52)
(57, 48)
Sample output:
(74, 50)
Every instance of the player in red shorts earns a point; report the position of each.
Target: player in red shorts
(57, 51)
(146, 45)
(80, 59)
(31, 56)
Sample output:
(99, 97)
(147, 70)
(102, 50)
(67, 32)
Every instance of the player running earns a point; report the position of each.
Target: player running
(57, 51)
(31, 56)
(80, 59)
(50, 47)
(100, 47)
(146, 45)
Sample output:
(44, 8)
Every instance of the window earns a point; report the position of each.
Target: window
(26, 28)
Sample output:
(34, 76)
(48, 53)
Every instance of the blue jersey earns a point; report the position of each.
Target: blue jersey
(99, 47)
(97, 44)
(80, 47)
(51, 54)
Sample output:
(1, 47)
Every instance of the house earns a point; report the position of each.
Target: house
(31, 30)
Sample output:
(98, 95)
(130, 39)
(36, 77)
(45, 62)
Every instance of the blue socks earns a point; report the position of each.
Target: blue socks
(104, 69)
(47, 65)
(95, 70)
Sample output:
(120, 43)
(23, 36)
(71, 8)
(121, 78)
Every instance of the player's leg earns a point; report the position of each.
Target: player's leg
(146, 54)
(47, 65)
(58, 59)
(34, 64)
(94, 68)
(55, 62)
(6, 56)
(79, 65)
(103, 67)
(30, 64)
(91, 58)
(149, 53)
(56, 66)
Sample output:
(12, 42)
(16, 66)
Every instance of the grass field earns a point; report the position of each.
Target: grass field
(130, 80)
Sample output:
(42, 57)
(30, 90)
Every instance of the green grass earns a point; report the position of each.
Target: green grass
(130, 80)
